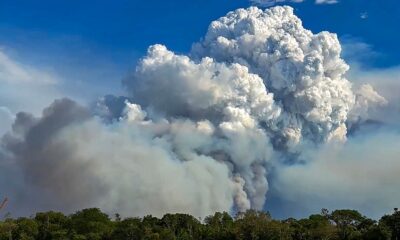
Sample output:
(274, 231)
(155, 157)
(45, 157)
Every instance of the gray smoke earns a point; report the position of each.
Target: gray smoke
(6, 119)
(362, 175)
(196, 133)
(77, 161)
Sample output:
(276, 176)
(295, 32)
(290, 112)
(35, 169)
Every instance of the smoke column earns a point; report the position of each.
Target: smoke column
(195, 133)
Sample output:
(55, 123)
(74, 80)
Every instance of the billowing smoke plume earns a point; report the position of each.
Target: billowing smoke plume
(134, 166)
(196, 133)
(303, 70)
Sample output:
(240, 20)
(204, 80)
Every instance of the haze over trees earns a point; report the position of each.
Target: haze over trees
(92, 224)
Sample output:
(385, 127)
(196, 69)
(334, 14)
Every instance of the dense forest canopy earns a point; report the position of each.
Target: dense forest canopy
(93, 224)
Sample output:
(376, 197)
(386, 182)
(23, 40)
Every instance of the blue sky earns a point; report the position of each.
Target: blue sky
(106, 39)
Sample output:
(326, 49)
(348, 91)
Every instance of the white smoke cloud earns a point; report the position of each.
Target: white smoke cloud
(196, 133)
(366, 97)
(198, 90)
(303, 70)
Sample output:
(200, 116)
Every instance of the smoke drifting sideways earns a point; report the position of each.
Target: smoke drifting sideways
(195, 133)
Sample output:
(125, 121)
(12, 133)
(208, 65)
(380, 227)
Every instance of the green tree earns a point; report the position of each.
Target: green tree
(392, 222)
(183, 226)
(7, 229)
(254, 225)
(376, 232)
(92, 224)
(219, 227)
(347, 222)
(128, 229)
(52, 225)
(27, 229)
(315, 227)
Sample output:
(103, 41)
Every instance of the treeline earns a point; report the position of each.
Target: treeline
(92, 224)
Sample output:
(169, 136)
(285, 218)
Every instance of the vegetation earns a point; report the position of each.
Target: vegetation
(92, 224)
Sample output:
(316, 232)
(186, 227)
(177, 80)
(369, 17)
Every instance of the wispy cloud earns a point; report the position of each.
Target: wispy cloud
(357, 52)
(267, 3)
(326, 1)
(25, 87)
(364, 15)
(12, 71)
